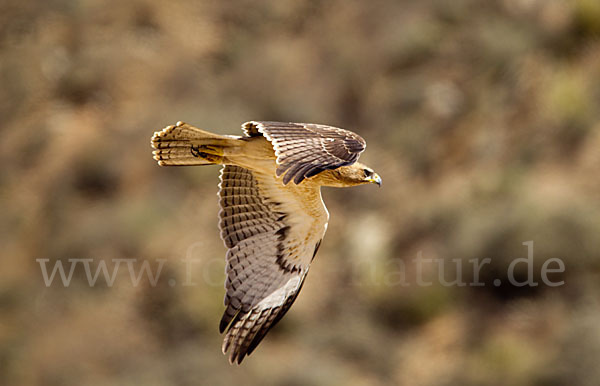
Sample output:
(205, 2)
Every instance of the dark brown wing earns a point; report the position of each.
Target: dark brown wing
(306, 149)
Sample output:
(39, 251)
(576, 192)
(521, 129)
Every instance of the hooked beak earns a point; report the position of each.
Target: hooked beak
(375, 179)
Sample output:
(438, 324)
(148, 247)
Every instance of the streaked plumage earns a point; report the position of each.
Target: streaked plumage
(272, 217)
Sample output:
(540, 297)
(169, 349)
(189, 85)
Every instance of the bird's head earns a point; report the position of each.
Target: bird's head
(355, 174)
(371, 177)
(362, 174)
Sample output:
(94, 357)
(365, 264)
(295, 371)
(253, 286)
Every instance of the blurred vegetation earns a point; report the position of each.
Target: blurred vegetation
(483, 119)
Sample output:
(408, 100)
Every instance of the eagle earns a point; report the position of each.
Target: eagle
(272, 217)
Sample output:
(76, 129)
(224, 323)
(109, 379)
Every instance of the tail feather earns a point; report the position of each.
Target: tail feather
(184, 144)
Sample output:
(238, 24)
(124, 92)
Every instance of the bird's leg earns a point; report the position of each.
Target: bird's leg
(209, 149)
(212, 154)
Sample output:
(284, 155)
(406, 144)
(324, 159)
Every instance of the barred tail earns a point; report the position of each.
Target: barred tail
(184, 144)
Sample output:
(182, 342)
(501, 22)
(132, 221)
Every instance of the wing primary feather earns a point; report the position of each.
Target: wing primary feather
(266, 328)
(226, 319)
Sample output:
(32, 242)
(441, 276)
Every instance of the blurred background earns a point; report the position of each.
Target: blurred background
(483, 118)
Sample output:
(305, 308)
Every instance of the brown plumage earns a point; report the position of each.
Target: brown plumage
(272, 217)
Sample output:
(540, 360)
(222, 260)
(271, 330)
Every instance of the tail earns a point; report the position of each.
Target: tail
(183, 144)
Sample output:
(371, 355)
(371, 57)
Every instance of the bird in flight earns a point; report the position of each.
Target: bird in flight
(272, 216)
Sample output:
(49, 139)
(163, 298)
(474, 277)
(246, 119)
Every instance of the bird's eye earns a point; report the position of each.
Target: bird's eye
(368, 173)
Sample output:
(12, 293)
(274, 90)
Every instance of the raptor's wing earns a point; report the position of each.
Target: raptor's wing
(272, 232)
(306, 149)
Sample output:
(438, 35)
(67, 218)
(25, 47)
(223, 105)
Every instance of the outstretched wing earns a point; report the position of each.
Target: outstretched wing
(305, 149)
(272, 233)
